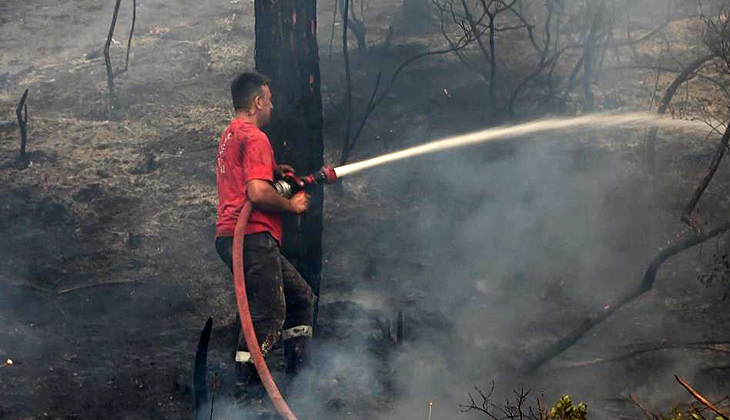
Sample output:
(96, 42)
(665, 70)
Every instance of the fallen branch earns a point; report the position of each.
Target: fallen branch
(719, 153)
(29, 286)
(646, 284)
(107, 60)
(89, 286)
(700, 398)
(711, 346)
(22, 113)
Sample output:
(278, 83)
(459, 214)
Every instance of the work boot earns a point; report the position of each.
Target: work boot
(276, 362)
(297, 355)
(247, 389)
(250, 398)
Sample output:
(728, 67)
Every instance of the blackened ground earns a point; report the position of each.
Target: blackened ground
(108, 270)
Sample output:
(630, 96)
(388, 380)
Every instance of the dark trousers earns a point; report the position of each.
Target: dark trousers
(279, 298)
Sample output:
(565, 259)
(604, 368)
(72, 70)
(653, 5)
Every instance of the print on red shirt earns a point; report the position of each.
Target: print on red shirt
(244, 153)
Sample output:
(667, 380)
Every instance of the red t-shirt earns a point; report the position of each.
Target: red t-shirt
(244, 153)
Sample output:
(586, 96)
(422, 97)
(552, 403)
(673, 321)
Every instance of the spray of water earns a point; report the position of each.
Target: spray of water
(514, 131)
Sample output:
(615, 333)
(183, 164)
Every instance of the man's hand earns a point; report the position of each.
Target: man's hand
(283, 169)
(299, 203)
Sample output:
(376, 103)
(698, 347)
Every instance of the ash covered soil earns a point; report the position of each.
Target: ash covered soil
(108, 270)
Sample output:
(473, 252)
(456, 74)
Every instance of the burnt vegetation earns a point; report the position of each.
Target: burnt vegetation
(546, 261)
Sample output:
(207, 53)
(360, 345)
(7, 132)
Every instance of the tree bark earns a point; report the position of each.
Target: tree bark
(287, 51)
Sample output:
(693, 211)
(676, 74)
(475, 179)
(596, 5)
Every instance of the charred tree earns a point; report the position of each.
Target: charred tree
(287, 51)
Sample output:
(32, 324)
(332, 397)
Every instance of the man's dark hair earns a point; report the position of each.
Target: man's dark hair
(245, 87)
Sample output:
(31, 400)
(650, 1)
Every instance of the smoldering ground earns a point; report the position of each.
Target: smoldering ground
(497, 251)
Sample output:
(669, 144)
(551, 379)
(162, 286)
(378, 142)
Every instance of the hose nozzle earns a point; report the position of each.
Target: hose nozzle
(326, 175)
(291, 184)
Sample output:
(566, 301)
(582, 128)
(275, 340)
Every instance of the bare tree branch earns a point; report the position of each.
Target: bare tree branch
(376, 98)
(131, 33)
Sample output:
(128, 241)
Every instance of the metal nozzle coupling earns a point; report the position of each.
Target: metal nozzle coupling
(291, 184)
(283, 188)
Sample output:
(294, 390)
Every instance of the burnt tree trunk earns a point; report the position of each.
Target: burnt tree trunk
(286, 50)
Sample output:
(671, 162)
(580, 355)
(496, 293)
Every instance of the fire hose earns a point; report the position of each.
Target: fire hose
(286, 187)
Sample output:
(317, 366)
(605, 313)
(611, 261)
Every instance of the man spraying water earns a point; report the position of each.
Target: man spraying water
(280, 300)
(250, 205)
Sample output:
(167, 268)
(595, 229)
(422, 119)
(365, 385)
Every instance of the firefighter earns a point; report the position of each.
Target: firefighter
(281, 302)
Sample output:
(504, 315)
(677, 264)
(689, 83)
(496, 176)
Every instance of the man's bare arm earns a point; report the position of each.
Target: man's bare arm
(264, 197)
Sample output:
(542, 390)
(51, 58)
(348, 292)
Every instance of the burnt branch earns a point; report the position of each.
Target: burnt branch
(646, 284)
(644, 411)
(22, 113)
(131, 33)
(357, 26)
(719, 153)
(716, 346)
(518, 408)
(200, 372)
(544, 61)
(700, 398)
(93, 285)
(107, 59)
(716, 34)
(377, 97)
